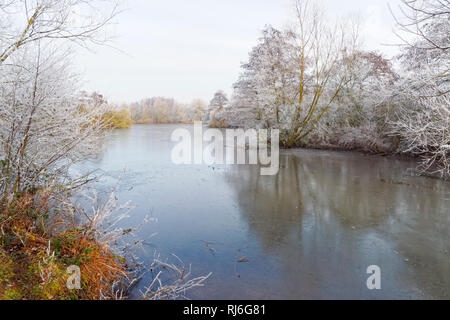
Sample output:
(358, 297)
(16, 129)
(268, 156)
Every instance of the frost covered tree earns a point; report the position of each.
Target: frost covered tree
(421, 98)
(266, 84)
(165, 110)
(44, 126)
(427, 20)
(320, 44)
(292, 76)
(216, 106)
(422, 120)
(80, 21)
(197, 110)
(357, 117)
(220, 100)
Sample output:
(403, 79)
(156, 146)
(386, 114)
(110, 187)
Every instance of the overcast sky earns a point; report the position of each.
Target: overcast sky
(188, 49)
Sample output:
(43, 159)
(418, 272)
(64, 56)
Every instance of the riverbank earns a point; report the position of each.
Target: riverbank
(424, 166)
(38, 260)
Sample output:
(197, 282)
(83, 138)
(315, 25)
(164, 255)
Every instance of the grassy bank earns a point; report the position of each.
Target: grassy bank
(34, 258)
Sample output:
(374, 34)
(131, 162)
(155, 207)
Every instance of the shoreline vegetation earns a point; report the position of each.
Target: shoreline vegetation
(312, 82)
(34, 260)
(156, 110)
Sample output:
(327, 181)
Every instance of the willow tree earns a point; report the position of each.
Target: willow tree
(293, 76)
(320, 48)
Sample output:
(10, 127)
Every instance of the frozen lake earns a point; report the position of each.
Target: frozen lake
(309, 232)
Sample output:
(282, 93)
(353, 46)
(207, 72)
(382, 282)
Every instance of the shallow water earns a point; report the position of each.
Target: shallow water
(309, 232)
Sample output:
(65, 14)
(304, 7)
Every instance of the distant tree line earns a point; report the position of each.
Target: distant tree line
(50, 221)
(159, 110)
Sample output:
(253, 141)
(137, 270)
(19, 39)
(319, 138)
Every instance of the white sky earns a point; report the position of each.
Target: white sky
(188, 49)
